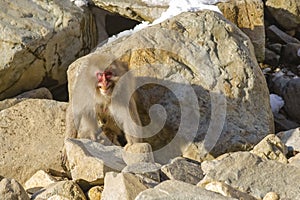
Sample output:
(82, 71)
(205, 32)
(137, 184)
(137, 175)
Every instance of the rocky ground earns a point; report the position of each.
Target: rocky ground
(229, 84)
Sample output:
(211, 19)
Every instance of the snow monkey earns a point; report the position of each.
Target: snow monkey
(89, 114)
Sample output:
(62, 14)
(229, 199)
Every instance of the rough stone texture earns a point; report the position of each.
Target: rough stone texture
(295, 160)
(41, 93)
(145, 169)
(183, 170)
(254, 175)
(291, 138)
(224, 189)
(286, 12)
(271, 196)
(133, 9)
(39, 39)
(272, 148)
(291, 97)
(275, 47)
(90, 160)
(178, 190)
(289, 54)
(193, 53)
(248, 15)
(10, 189)
(95, 193)
(138, 152)
(62, 190)
(282, 123)
(122, 186)
(39, 179)
(271, 58)
(31, 137)
(277, 35)
(277, 83)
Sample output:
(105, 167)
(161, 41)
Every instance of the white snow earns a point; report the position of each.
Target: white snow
(191, 2)
(80, 3)
(156, 2)
(276, 102)
(175, 8)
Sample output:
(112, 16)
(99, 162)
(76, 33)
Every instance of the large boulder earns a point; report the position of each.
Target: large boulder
(40, 93)
(202, 69)
(248, 15)
(286, 12)
(31, 137)
(172, 189)
(38, 41)
(87, 156)
(137, 9)
(254, 175)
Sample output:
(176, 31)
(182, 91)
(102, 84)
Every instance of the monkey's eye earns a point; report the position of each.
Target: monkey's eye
(108, 74)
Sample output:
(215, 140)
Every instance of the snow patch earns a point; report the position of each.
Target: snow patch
(276, 102)
(175, 8)
(156, 2)
(80, 3)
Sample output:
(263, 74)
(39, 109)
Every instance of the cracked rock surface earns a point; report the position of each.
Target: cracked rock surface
(38, 41)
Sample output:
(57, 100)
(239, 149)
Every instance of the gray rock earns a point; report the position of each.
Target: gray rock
(291, 96)
(90, 160)
(133, 9)
(183, 170)
(31, 137)
(272, 148)
(39, 39)
(291, 138)
(248, 15)
(138, 152)
(41, 93)
(286, 12)
(39, 180)
(62, 190)
(224, 189)
(289, 54)
(276, 47)
(279, 36)
(295, 160)
(278, 83)
(254, 175)
(178, 190)
(10, 189)
(217, 97)
(271, 58)
(122, 186)
(282, 123)
(148, 170)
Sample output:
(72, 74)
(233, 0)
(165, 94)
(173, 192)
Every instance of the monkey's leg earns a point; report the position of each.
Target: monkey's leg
(134, 135)
(71, 132)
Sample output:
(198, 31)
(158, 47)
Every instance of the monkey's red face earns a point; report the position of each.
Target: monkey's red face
(105, 82)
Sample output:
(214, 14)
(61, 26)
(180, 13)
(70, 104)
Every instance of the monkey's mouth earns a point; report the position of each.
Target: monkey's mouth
(105, 90)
